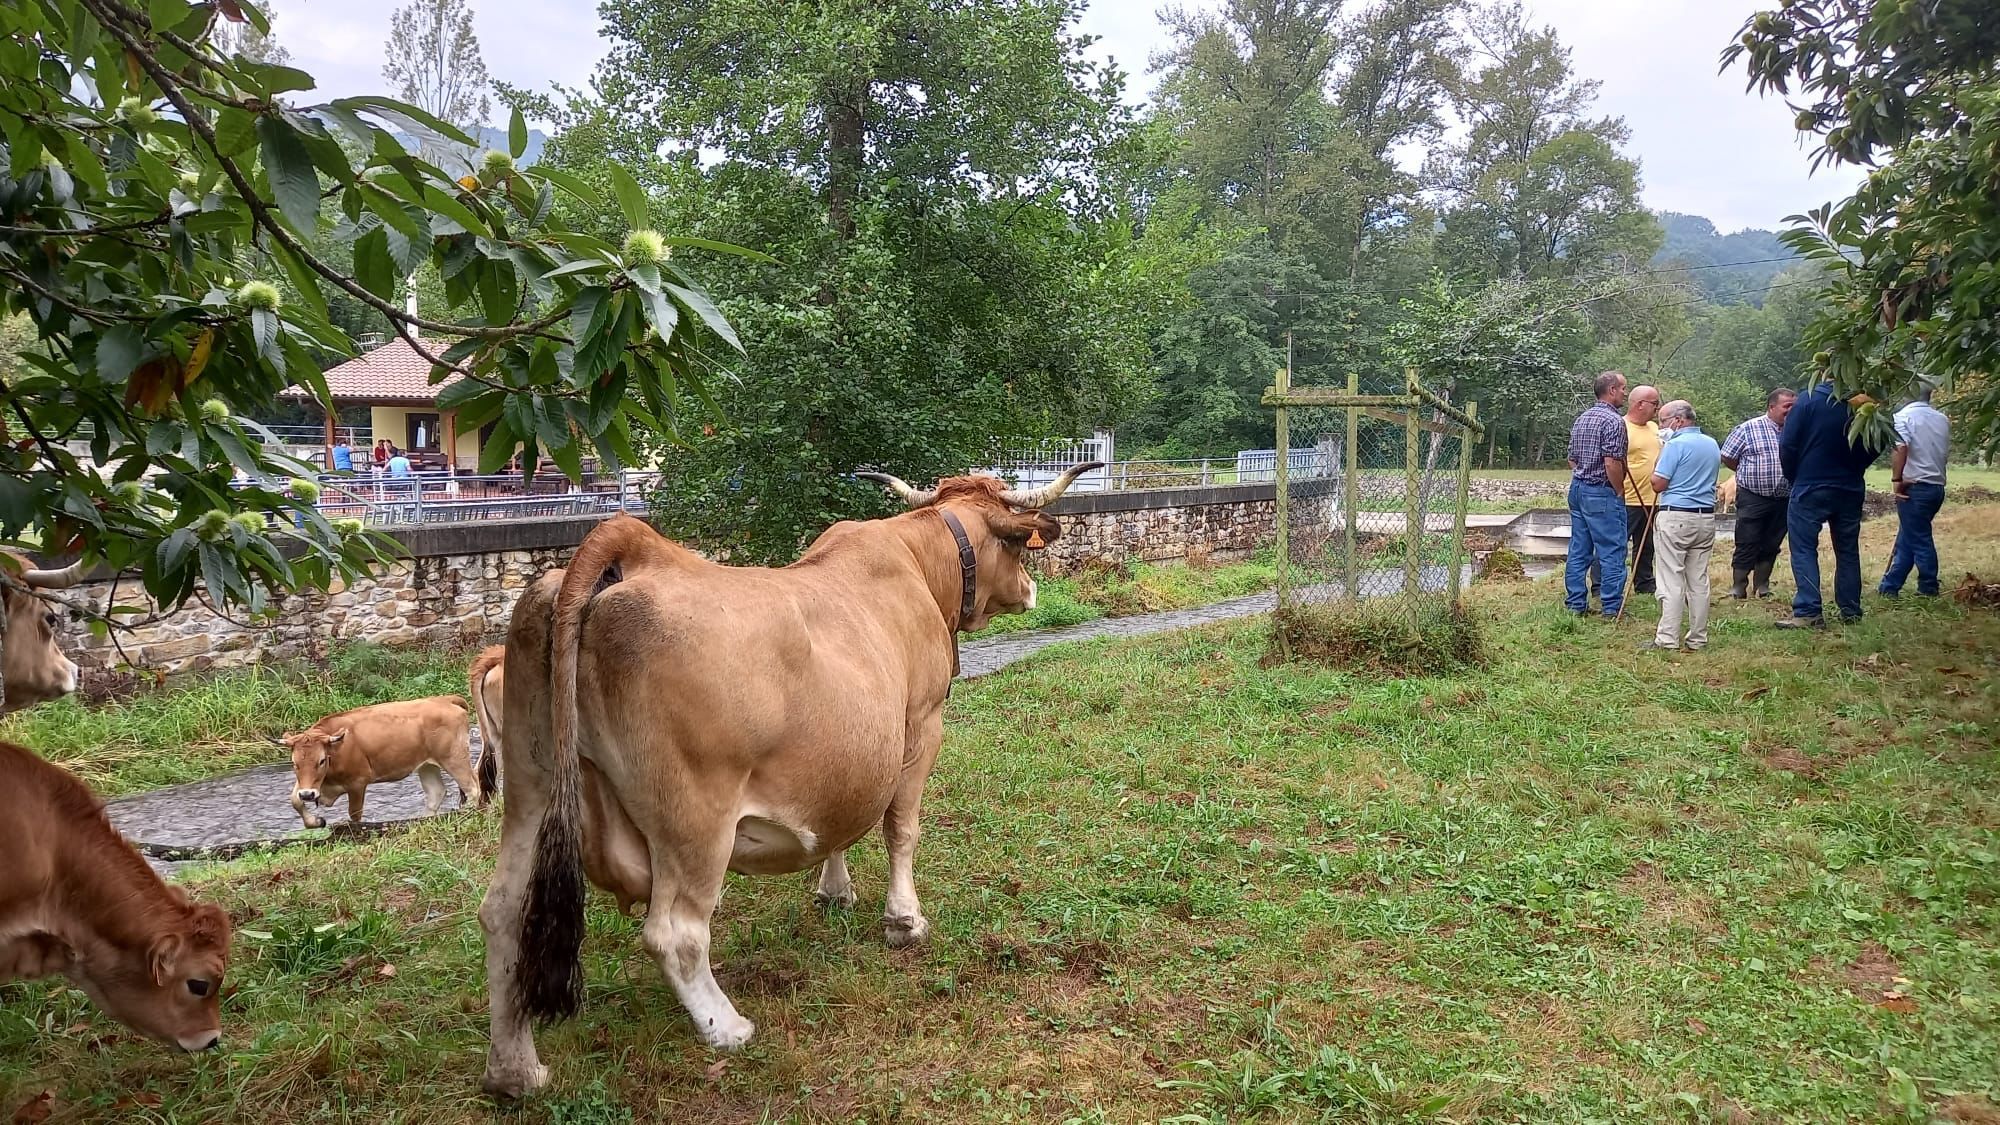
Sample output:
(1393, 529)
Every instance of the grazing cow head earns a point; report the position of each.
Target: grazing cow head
(170, 988)
(312, 754)
(1013, 526)
(35, 668)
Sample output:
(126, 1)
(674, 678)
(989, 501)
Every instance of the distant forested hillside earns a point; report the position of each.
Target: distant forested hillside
(1694, 241)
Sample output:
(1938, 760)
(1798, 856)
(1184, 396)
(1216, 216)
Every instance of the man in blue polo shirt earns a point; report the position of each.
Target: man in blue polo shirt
(1825, 469)
(1683, 527)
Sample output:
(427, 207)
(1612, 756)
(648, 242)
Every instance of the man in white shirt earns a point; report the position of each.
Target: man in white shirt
(1923, 440)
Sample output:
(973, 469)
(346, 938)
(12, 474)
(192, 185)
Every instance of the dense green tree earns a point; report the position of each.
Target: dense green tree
(1750, 350)
(142, 170)
(1513, 346)
(1539, 190)
(1912, 91)
(1245, 88)
(950, 188)
(1402, 59)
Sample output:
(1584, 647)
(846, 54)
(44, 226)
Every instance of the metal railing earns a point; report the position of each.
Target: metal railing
(379, 500)
(1250, 466)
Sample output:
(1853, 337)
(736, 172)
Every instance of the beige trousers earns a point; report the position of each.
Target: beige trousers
(1682, 544)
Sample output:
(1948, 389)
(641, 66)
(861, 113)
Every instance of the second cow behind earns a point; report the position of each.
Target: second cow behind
(343, 754)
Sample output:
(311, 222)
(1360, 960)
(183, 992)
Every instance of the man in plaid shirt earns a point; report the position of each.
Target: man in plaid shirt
(1763, 495)
(1597, 446)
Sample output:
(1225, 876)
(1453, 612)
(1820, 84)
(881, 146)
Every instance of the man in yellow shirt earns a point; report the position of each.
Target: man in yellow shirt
(1642, 452)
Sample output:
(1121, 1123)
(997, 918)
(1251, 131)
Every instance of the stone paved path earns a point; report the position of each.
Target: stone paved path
(224, 816)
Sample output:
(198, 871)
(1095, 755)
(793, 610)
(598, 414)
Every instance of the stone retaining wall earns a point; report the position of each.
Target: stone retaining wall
(457, 586)
(458, 583)
(1164, 525)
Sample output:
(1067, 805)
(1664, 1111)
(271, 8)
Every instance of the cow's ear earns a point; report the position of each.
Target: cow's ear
(161, 956)
(336, 737)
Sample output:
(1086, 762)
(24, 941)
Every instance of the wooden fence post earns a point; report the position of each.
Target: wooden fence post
(1413, 516)
(1465, 438)
(1350, 484)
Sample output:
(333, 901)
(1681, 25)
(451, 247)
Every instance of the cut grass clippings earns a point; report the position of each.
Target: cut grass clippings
(1581, 883)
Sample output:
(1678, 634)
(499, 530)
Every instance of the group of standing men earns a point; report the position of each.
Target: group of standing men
(1644, 485)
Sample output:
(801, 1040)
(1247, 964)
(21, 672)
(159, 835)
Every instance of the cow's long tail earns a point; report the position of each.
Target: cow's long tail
(489, 726)
(550, 968)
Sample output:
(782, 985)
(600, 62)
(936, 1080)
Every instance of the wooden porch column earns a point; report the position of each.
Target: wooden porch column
(451, 442)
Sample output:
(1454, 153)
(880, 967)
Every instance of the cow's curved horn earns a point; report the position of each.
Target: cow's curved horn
(1045, 495)
(61, 579)
(914, 497)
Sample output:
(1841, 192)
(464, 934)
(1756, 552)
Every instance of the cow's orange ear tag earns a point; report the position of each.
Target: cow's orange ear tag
(1035, 540)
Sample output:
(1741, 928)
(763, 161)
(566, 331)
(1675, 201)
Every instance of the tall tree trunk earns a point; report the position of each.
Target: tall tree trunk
(846, 116)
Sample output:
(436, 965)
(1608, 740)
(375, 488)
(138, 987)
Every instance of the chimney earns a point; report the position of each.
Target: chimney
(410, 296)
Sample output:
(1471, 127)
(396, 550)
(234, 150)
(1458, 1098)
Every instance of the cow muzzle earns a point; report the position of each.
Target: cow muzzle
(199, 1041)
(308, 796)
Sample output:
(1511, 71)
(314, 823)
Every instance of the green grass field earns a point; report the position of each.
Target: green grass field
(1170, 883)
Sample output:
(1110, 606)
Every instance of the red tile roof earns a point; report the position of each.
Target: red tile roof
(392, 373)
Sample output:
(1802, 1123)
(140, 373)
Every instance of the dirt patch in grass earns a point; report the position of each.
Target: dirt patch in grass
(1969, 1109)
(1874, 978)
(1666, 903)
(1817, 767)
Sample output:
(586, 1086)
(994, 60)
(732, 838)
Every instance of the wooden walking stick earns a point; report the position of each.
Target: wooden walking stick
(1632, 571)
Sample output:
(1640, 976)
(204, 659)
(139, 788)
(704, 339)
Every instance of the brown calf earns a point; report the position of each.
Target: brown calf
(343, 754)
(76, 899)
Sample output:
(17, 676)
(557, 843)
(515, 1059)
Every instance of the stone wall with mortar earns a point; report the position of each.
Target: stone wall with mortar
(458, 583)
(456, 586)
(1164, 525)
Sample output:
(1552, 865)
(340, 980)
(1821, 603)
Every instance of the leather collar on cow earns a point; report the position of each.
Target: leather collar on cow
(968, 571)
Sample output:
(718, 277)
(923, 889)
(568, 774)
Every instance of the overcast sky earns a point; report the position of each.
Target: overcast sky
(1705, 146)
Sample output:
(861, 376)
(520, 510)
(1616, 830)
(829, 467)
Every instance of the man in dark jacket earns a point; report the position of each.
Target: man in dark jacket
(1826, 474)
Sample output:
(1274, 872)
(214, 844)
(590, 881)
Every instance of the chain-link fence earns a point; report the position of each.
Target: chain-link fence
(1373, 505)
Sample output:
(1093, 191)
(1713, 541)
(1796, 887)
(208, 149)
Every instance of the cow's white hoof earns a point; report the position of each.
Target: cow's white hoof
(514, 1084)
(315, 821)
(902, 933)
(727, 1034)
(844, 900)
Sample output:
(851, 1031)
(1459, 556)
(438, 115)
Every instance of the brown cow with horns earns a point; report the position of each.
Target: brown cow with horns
(35, 669)
(669, 719)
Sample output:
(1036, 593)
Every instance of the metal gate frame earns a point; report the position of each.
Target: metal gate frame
(1404, 409)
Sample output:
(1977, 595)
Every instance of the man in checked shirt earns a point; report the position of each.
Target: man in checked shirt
(1762, 496)
(1597, 445)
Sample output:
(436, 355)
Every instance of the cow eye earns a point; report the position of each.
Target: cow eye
(52, 620)
(198, 986)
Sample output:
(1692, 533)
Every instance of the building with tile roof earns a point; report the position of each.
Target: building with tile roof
(394, 382)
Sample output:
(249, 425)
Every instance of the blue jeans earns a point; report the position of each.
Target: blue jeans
(1597, 532)
(1839, 510)
(1914, 545)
